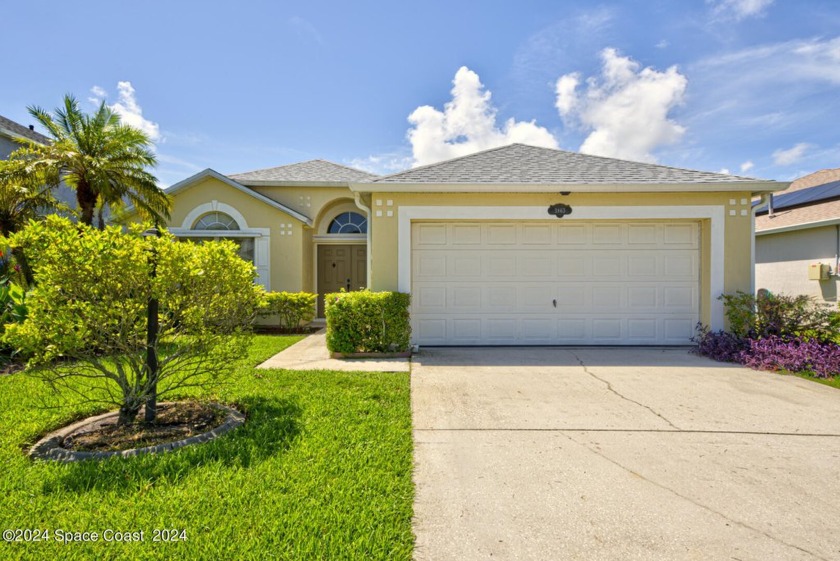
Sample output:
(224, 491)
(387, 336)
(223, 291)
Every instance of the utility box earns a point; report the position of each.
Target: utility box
(818, 271)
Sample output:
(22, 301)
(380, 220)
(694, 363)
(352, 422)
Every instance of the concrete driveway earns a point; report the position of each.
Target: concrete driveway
(555, 453)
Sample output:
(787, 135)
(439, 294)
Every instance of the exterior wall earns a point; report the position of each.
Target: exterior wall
(7, 146)
(782, 260)
(309, 201)
(286, 234)
(735, 209)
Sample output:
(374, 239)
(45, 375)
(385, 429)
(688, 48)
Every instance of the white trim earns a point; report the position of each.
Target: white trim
(213, 206)
(714, 213)
(802, 226)
(192, 180)
(754, 187)
(354, 239)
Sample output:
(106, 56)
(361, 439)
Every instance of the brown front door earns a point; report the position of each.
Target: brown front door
(340, 266)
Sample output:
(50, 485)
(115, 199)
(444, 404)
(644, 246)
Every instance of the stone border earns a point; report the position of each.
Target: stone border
(50, 447)
(406, 354)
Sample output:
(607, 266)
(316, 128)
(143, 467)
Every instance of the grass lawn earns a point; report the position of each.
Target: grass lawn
(833, 382)
(320, 470)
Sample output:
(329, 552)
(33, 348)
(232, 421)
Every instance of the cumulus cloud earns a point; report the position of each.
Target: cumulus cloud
(625, 108)
(791, 155)
(127, 108)
(467, 124)
(382, 164)
(739, 9)
(747, 166)
(724, 171)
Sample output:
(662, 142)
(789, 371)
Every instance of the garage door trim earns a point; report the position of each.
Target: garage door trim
(714, 213)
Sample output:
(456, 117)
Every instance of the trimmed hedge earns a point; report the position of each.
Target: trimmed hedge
(290, 308)
(367, 322)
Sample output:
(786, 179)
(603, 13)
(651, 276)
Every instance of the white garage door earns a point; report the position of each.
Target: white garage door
(592, 283)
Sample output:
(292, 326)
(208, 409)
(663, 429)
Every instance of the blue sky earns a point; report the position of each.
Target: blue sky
(749, 86)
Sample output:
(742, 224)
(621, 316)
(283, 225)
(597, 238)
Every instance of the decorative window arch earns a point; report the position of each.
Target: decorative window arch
(348, 223)
(215, 220)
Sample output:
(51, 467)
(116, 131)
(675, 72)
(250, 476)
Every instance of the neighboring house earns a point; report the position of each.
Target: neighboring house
(801, 233)
(11, 134)
(641, 255)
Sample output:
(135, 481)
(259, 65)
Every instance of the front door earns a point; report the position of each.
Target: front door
(340, 266)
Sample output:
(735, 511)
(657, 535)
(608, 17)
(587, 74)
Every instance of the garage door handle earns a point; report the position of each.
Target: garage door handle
(554, 302)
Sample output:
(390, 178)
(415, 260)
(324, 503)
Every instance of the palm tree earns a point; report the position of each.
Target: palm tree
(103, 160)
(24, 195)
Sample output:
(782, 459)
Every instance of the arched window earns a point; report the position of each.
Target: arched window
(348, 223)
(215, 221)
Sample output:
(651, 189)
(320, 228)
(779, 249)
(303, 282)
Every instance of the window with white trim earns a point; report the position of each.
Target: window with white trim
(348, 223)
(220, 222)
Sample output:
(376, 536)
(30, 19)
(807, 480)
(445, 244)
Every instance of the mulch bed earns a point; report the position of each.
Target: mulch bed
(175, 421)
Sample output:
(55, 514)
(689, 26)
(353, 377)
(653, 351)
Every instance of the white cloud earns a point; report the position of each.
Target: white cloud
(127, 108)
(662, 44)
(626, 108)
(724, 171)
(791, 155)
(739, 9)
(747, 166)
(467, 124)
(382, 164)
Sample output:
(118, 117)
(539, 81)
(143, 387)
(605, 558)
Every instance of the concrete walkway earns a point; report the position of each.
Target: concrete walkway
(311, 354)
(620, 454)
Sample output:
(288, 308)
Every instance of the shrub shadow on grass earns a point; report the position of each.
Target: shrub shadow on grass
(270, 429)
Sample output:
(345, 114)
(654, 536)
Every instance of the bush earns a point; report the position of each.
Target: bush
(12, 310)
(718, 345)
(291, 308)
(368, 322)
(774, 353)
(90, 306)
(788, 317)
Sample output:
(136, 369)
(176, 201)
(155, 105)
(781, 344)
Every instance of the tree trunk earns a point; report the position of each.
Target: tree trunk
(101, 217)
(87, 198)
(128, 412)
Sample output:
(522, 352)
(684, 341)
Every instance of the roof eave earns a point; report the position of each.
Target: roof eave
(192, 180)
(800, 226)
(274, 183)
(754, 187)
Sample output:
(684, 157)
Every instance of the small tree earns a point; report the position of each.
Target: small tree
(86, 327)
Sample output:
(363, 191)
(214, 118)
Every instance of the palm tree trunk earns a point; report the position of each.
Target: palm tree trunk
(101, 216)
(87, 198)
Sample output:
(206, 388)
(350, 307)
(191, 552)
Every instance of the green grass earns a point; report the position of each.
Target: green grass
(833, 382)
(320, 470)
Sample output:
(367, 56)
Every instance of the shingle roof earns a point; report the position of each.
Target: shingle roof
(523, 164)
(795, 216)
(11, 128)
(313, 171)
(820, 177)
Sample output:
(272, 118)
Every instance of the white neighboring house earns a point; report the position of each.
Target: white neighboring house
(799, 239)
(11, 133)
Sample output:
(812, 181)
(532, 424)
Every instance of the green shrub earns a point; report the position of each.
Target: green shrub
(365, 322)
(90, 307)
(779, 315)
(290, 308)
(12, 310)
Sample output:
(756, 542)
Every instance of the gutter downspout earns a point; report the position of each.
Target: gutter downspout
(764, 198)
(837, 251)
(357, 197)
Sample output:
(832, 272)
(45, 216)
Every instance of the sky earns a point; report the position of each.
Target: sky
(748, 87)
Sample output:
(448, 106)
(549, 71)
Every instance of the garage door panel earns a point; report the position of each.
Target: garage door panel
(613, 283)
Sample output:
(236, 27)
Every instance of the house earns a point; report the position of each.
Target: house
(797, 238)
(11, 134)
(513, 245)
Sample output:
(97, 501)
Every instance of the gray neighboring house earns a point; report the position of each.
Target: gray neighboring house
(10, 140)
(801, 233)
(11, 133)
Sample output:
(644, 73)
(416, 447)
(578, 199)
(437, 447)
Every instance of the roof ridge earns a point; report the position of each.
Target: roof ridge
(313, 160)
(455, 159)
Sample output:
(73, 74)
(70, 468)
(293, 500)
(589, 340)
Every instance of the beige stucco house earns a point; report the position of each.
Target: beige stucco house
(514, 245)
(798, 241)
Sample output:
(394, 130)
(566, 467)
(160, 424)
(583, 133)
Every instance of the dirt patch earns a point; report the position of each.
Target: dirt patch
(175, 421)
